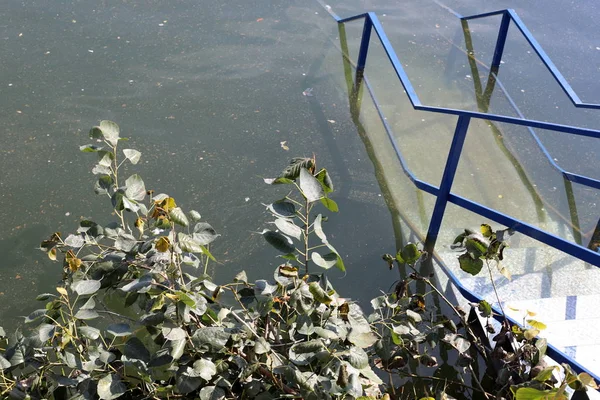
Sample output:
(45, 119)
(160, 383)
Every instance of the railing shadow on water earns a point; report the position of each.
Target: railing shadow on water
(357, 80)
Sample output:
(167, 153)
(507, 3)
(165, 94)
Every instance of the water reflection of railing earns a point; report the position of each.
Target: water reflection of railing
(443, 192)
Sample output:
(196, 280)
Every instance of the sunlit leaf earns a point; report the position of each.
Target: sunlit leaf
(529, 393)
(194, 215)
(163, 244)
(470, 265)
(119, 329)
(485, 309)
(486, 230)
(410, 254)
(132, 155)
(109, 131)
(178, 216)
(327, 261)
(330, 204)
(110, 387)
(89, 148)
(292, 171)
(135, 188)
(319, 294)
(310, 186)
(287, 227)
(531, 333)
(204, 233)
(72, 261)
(277, 181)
(325, 180)
(86, 287)
(537, 324)
(318, 228)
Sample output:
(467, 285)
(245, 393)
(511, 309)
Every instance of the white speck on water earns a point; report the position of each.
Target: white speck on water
(501, 62)
(67, 214)
(385, 15)
(468, 76)
(131, 81)
(83, 90)
(247, 199)
(597, 48)
(423, 120)
(307, 92)
(10, 84)
(522, 90)
(90, 51)
(161, 24)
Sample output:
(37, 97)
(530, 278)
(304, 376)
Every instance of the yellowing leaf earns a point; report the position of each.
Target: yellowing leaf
(52, 254)
(531, 313)
(486, 230)
(62, 290)
(537, 324)
(587, 380)
(73, 262)
(139, 224)
(158, 303)
(531, 333)
(163, 244)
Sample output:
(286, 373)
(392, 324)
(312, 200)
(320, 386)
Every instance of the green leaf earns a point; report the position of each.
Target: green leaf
(310, 186)
(125, 242)
(330, 204)
(261, 346)
(476, 246)
(188, 244)
(327, 261)
(358, 358)
(135, 349)
(304, 352)
(215, 337)
(325, 180)
(288, 227)
(105, 182)
(89, 148)
(89, 332)
(292, 171)
(178, 216)
(45, 332)
(277, 181)
(173, 333)
(204, 369)
(529, 393)
(85, 288)
(318, 228)
(485, 309)
(281, 242)
(86, 314)
(283, 209)
(470, 265)
(194, 215)
(213, 393)
(132, 155)
(319, 294)
(44, 296)
(110, 131)
(119, 329)
(208, 254)
(110, 387)
(34, 316)
(135, 188)
(340, 263)
(204, 234)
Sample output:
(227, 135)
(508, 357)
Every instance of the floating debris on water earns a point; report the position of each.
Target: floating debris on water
(308, 92)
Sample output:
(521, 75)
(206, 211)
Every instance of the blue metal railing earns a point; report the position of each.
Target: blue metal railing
(443, 192)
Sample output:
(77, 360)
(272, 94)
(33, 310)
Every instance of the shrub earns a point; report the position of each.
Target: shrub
(137, 316)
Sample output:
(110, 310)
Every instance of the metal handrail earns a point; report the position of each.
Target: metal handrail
(443, 192)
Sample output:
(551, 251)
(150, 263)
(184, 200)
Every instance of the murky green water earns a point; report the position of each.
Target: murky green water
(212, 93)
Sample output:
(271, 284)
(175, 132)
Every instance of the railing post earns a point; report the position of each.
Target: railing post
(364, 45)
(460, 133)
(502, 32)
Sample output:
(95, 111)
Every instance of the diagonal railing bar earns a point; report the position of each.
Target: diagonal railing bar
(514, 17)
(444, 193)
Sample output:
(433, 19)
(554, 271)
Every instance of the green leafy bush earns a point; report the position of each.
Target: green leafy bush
(137, 316)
